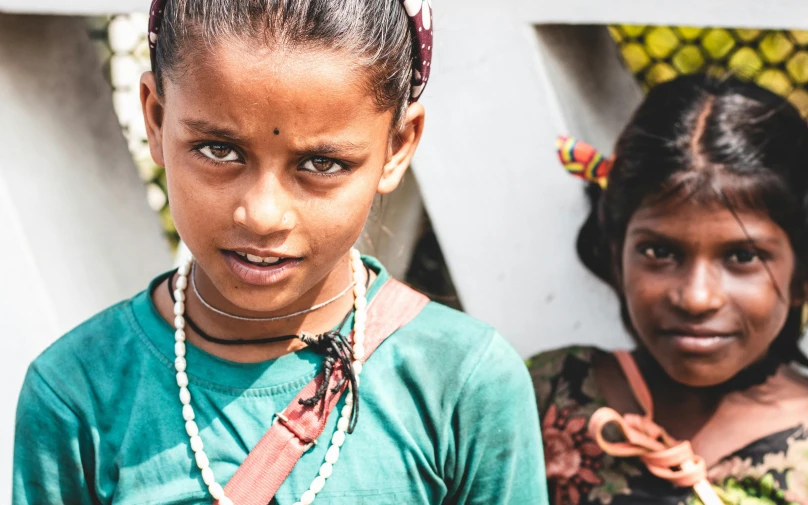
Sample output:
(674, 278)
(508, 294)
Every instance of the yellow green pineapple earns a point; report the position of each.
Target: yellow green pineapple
(774, 59)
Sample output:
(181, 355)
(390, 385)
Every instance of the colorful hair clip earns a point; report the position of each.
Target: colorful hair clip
(584, 161)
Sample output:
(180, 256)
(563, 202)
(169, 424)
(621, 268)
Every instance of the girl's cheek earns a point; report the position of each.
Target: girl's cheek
(645, 294)
(639, 287)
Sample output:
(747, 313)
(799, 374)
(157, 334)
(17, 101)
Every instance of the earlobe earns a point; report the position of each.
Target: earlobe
(153, 115)
(403, 149)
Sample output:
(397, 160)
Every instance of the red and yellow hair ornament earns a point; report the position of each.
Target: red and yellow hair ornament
(584, 161)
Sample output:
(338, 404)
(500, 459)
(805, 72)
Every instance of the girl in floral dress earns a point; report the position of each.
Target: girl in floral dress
(699, 224)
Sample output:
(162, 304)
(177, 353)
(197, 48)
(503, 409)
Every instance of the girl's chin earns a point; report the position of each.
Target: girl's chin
(698, 375)
(251, 306)
(249, 300)
(260, 291)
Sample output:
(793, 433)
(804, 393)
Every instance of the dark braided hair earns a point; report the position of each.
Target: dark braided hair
(725, 140)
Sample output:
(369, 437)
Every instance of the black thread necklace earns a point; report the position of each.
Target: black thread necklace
(224, 341)
(239, 341)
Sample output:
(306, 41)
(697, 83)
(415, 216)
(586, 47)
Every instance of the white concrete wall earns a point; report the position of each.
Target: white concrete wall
(75, 7)
(735, 13)
(77, 233)
(505, 211)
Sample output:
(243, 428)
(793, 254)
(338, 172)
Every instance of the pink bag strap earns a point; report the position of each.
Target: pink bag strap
(664, 456)
(294, 431)
(636, 382)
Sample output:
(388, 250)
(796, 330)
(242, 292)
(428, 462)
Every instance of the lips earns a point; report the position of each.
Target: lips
(260, 268)
(698, 332)
(699, 340)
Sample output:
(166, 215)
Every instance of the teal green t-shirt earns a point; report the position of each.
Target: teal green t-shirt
(447, 416)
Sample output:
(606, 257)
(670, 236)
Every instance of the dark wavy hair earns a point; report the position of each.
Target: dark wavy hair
(700, 137)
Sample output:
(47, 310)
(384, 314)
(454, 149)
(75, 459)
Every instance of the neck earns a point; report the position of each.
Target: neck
(683, 410)
(224, 327)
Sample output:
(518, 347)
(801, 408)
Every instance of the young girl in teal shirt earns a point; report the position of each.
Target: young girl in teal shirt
(278, 123)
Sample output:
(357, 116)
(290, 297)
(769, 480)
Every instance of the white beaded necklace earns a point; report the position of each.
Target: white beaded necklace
(215, 489)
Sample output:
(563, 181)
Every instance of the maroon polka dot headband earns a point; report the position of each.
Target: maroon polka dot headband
(419, 12)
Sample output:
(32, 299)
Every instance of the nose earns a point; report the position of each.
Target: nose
(699, 291)
(266, 207)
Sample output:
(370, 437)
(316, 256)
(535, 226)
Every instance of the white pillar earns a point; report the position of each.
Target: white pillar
(783, 14)
(77, 234)
(506, 212)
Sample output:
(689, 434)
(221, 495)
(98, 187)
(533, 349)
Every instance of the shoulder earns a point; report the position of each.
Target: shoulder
(441, 322)
(90, 357)
(447, 352)
(91, 339)
(566, 371)
(457, 338)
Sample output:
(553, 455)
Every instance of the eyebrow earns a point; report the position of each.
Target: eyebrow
(327, 148)
(323, 148)
(206, 128)
(750, 240)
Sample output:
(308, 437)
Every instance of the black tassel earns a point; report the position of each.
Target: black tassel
(337, 351)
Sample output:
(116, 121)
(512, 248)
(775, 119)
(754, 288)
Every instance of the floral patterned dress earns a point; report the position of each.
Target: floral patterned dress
(770, 470)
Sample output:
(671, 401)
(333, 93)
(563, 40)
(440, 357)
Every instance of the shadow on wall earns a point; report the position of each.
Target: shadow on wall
(428, 272)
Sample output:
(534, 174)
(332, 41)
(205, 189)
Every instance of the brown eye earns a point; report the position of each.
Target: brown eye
(743, 256)
(321, 166)
(656, 252)
(219, 153)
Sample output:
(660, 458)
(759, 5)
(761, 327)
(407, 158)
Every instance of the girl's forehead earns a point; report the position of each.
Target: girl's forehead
(252, 73)
(250, 87)
(245, 67)
(704, 222)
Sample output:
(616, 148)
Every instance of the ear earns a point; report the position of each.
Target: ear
(403, 148)
(152, 115)
(799, 294)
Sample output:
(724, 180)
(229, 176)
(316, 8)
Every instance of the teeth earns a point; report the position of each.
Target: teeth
(269, 260)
